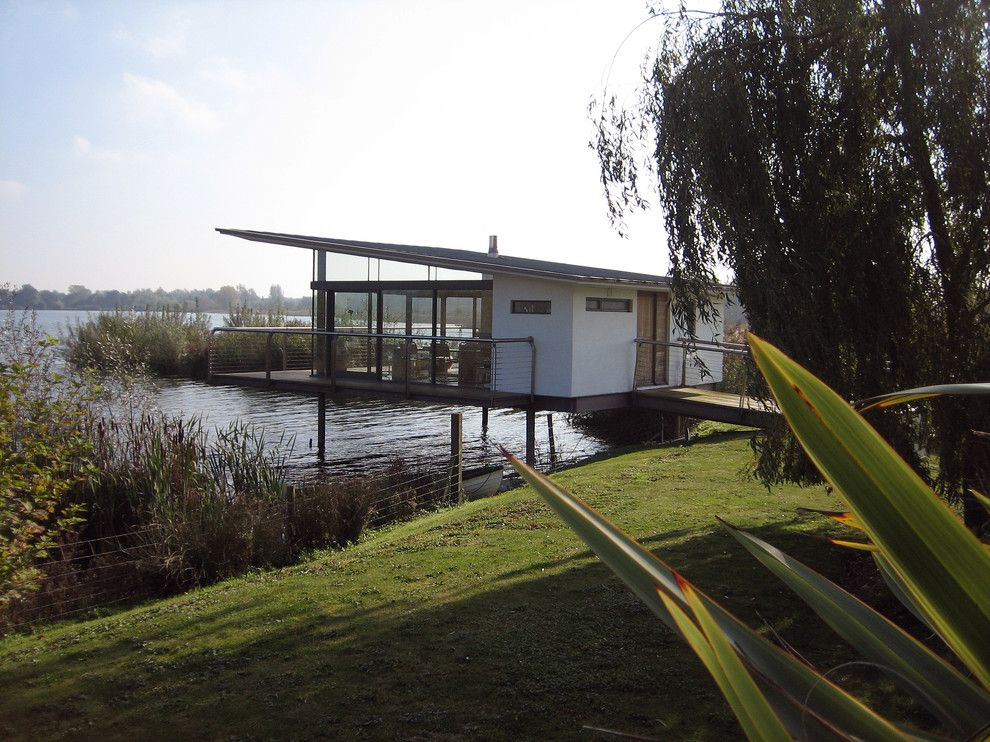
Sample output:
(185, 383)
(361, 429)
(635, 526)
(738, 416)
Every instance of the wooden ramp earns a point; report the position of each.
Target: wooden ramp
(304, 382)
(706, 404)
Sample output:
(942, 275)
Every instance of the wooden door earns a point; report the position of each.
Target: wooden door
(652, 323)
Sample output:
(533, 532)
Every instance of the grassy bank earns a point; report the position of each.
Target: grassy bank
(486, 620)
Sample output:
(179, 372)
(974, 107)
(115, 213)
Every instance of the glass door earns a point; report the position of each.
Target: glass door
(355, 313)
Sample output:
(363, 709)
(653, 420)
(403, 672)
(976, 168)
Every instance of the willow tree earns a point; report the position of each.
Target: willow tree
(835, 156)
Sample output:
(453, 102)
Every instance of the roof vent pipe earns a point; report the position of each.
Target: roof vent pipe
(493, 246)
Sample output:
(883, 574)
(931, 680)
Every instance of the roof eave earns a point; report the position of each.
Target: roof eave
(451, 263)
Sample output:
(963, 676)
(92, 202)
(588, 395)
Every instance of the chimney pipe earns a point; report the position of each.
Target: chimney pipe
(493, 246)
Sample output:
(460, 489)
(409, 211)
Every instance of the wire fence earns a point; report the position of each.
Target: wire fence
(100, 571)
(93, 573)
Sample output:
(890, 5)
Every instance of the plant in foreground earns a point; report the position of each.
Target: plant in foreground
(43, 453)
(933, 563)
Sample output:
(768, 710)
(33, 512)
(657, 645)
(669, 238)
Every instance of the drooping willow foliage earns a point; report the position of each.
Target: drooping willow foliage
(835, 155)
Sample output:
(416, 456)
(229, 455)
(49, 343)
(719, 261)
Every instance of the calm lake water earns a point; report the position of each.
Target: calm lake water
(362, 435)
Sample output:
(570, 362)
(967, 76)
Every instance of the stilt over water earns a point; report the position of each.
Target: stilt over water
(321, 427)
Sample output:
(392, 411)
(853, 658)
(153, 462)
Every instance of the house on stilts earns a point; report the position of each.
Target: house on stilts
(503, 332)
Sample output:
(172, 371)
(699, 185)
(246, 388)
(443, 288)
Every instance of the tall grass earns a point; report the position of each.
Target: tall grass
(244, 316)
(157, 504)
(169, 506)
(167, 342)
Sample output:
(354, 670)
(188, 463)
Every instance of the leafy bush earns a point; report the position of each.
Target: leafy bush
(932, 563)
(167, 342)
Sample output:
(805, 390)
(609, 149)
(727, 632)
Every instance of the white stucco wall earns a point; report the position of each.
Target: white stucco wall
(552, 333)
(604, 352)
(580, 353)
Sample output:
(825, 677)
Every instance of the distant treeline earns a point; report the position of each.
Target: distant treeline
(203, 300)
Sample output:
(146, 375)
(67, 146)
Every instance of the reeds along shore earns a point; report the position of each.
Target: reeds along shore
(111, 501)
(170, 341)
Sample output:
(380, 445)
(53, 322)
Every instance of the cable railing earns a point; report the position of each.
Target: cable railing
(494, 365)
(686, 363)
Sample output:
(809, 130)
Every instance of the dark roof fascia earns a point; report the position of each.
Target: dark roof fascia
(441, 285)
(462, 260)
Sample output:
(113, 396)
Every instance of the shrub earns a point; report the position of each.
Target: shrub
(332, 514)
(167, 342)
(44, 452)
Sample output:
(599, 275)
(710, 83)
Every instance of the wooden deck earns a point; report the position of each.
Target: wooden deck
(304, 382)
(696, 402)
(706, 404)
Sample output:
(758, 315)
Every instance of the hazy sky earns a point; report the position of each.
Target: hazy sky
(129, 130)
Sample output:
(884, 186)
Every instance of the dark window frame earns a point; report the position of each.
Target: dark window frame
(600, 304)
(529, 306)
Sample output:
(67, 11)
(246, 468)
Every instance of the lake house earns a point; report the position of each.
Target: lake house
(488, 329)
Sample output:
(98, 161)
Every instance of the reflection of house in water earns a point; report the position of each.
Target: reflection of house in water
(502, 332)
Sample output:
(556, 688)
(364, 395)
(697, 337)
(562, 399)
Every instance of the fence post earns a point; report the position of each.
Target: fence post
(745, 382)
(456, 491)
(492, 369)
(268, 357)
(553, 445)
(408, 364)
(209, 355)
(530, 436)
(333, 362)
(684, 352)
(532, 369)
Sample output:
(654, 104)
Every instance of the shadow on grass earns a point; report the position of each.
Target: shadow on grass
(537, 651)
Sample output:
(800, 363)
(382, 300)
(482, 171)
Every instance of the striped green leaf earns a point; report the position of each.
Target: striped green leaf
(756, 716)
(847, 544)
(811, 704)
(960, 703)
(845, 518)
(919, 393)
(943, 567)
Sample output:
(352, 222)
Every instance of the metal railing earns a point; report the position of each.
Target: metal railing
(681, 363)
(493, 364)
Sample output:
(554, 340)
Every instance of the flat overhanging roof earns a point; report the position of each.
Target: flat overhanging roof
(461, 260)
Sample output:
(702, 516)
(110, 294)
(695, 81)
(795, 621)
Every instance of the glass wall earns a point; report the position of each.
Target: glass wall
(438, 333)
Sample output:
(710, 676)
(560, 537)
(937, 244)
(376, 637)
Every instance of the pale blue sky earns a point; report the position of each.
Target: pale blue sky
(129, 130)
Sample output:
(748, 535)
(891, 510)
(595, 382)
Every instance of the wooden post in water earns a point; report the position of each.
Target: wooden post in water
(456, 457)
(321, 427)
(530, 436)
(553, 444)
(484, 420)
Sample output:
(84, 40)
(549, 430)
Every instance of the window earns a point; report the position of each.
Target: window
(530, 306)
(598, 304)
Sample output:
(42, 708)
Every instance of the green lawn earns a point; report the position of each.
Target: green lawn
(487, 620)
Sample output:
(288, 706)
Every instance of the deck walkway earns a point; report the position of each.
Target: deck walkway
(706, 404)
(303, 381)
